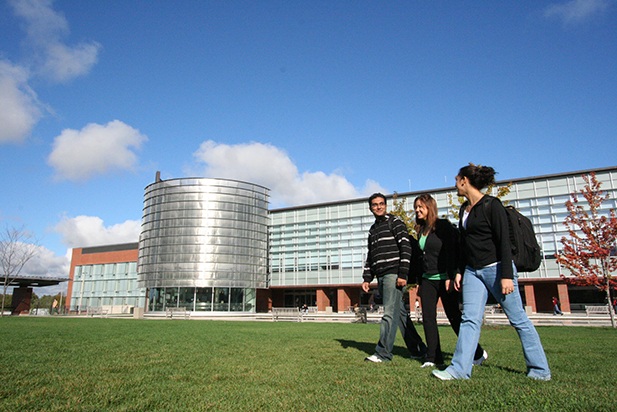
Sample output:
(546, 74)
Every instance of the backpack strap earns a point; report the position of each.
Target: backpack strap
(487, 206)
(390, 222)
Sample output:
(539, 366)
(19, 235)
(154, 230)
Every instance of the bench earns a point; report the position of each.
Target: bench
(286, 313)
(492, 309)
(417, 314)
(596, 310)
(170, 312)
(96, 310)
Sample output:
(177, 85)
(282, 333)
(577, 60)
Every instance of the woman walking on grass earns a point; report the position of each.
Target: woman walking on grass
(438, 240)
(487, 256)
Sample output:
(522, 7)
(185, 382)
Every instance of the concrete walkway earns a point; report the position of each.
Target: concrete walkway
(539, 319)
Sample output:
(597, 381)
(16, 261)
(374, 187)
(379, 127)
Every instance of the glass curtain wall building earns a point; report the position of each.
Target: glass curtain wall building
(211, 245)
(203, 244)
(322, 248)
(105, 277)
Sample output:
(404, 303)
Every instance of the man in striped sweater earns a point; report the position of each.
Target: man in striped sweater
(388, 260)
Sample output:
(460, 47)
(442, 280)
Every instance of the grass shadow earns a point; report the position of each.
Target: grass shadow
(369, 347)
(366, 347)
(447, 357)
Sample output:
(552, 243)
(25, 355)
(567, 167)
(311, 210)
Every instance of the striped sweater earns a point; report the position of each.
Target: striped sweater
(388, 251)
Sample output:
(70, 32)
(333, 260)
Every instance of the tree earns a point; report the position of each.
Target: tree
(589, 250)
(47, 302)
(17, 247)
(455, 207)
(407, 216)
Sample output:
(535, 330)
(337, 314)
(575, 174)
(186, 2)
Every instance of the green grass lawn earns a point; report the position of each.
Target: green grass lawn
(68, 364)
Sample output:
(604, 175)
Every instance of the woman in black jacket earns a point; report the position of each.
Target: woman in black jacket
(438, 240)
(487, 256)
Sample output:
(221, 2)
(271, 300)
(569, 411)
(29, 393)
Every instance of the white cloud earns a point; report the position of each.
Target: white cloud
(577, 11)
(45, 30)
(86, 231)
(47, 56)
(95, 149)
(45, 263)
(19, 108)
(271, 167)
(64, 63)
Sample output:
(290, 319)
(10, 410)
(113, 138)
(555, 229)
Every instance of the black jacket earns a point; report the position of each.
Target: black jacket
(441, 250)
(486, 239)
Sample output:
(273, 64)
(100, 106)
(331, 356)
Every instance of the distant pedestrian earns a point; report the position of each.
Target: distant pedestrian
(556, 310)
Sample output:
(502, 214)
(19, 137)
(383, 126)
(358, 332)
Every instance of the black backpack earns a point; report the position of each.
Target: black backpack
(526, 253)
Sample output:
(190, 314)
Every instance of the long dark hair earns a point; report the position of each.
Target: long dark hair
(424, 226)
(478, 176)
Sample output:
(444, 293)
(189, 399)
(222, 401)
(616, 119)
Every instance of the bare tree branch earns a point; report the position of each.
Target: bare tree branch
(17, 247)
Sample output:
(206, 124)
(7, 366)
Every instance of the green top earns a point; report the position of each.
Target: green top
(437, 276)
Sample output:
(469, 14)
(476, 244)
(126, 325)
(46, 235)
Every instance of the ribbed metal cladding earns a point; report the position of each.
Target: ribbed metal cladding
(203, 232)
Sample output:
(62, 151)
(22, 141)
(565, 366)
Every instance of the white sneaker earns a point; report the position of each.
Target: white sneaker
(427, 364)
(373, 358)
(443, 375)
(481, 359)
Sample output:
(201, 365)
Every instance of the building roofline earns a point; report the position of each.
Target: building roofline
(118, 247)
(208, 178)
(447, 189)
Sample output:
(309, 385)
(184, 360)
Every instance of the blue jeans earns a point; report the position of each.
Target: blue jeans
(392, 301)
(477, 283)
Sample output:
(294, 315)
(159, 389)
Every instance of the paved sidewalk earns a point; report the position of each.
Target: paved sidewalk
(548, 319)
(538, 319)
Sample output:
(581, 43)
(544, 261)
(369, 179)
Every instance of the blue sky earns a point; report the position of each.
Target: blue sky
(319, 101)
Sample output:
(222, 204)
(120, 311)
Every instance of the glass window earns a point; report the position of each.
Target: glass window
(171, 297)
(156, 299)
(133, 268)
(123, 285)
(237, 300)
(249, 300)
(203, 299)
(221, 299)
(187, 296)
(121, 268)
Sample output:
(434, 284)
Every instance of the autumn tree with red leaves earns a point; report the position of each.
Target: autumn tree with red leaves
(589, 250)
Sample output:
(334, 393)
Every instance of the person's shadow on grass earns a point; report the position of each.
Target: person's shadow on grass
(447, 357)
(369, 347)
